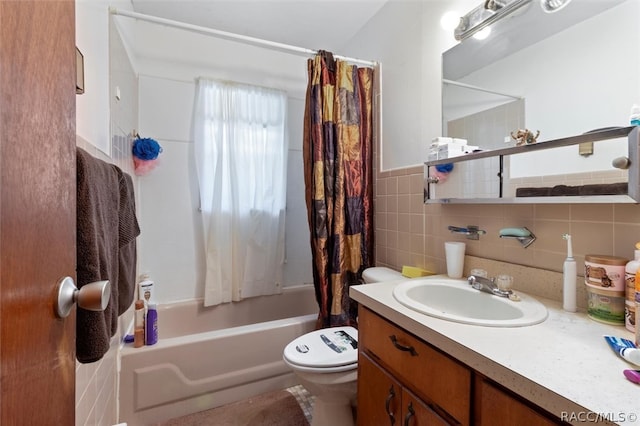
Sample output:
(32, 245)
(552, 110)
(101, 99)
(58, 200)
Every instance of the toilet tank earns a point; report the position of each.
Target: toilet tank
(379, 274)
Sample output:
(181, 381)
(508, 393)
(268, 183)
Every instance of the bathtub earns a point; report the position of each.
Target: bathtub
(208, 357)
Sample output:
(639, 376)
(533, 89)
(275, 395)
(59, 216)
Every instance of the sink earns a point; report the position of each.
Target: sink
(456, 300)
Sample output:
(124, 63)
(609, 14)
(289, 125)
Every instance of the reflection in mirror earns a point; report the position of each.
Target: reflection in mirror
(584, 76)
(491, 177)
(563, 74)
(546, 174)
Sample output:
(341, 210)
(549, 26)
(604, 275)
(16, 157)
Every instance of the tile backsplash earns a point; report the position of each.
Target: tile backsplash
(409, 232)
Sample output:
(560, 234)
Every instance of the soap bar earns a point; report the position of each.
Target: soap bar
(514, 232)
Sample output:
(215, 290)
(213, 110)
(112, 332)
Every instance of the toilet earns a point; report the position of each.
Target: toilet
(326, 362)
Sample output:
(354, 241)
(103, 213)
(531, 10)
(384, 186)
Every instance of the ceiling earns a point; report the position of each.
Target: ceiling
(312, 24)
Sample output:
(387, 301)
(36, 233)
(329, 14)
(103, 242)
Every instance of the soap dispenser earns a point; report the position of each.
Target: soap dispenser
(569, 273)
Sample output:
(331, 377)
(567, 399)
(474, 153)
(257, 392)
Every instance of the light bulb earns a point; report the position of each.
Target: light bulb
(482, 34)
(449, 20)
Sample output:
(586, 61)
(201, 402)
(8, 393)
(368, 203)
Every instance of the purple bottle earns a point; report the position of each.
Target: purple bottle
(151, 325)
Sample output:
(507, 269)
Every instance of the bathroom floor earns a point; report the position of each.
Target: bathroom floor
(265, 409)
(304, 398)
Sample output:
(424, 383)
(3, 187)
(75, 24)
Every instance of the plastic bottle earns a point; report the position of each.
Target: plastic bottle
(634, 117)
(138, 328)
(145, 290)
(630, 271)
(569, 271)
(151, 324)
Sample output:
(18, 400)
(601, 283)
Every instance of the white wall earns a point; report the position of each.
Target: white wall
(171, 245)
(406, 37)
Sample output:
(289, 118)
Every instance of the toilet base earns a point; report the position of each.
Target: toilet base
(329, 412)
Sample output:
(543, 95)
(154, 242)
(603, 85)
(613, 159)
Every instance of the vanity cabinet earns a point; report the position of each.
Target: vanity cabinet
(401, 377)
(403, 380)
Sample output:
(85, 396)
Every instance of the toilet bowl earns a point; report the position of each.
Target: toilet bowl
(326, 362)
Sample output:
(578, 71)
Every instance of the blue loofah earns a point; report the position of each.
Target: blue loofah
(444, 168)
(146, 149)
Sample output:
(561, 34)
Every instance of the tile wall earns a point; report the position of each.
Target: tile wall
(409, 232)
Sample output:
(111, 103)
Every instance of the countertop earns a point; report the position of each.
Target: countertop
(563, 364)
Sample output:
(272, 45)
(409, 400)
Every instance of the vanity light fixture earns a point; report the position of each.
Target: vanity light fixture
(486, 14)
(551, 6)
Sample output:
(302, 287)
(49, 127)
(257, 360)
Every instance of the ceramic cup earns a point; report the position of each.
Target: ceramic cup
(454, 254)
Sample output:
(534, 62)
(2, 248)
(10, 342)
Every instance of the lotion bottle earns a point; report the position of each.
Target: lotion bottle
(145, 290)
(630, 271)
(570, 273)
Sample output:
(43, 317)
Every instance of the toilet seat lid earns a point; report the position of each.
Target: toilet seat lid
(324, 348)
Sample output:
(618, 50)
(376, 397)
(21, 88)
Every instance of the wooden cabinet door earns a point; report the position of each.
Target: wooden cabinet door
(495, 407)
(417, 413)
(379, 395)
(429, 373)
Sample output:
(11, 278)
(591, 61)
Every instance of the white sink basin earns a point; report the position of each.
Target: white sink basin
(456, 300)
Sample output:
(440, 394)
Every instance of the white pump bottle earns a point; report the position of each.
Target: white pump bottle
(570, 273)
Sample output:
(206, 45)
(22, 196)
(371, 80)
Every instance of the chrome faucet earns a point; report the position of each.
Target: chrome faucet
(487, 285)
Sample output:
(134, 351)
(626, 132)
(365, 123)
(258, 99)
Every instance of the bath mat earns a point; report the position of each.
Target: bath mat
(278, 408)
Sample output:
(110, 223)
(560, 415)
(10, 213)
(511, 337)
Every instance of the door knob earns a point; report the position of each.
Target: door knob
(92, 297)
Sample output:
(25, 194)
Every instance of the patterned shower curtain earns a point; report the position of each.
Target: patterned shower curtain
(337, 151)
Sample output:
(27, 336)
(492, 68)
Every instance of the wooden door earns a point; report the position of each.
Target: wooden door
(37, 210)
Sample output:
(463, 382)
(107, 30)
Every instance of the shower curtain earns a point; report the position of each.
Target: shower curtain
(337, 151)
(240, 146)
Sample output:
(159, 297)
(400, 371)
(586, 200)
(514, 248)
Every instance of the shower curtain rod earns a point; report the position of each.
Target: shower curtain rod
(480, 89)
(231, 36)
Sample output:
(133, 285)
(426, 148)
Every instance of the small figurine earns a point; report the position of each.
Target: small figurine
(525, 137)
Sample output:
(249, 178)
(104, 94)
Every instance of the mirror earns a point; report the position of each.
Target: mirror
(564, 74)
(488, 177)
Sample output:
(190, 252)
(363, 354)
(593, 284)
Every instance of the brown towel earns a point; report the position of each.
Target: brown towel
(560, 190)
(106, 232)
(533, 192)
(621, 188)
(127, 233)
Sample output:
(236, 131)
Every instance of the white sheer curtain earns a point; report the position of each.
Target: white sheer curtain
(241, 159)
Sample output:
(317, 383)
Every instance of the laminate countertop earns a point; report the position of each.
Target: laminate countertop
(563, 364)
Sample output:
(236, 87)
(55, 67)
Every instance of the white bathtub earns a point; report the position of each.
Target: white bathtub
(207, 357)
